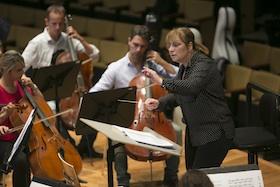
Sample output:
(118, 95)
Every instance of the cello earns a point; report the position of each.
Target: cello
(45, 142)
(152, 119)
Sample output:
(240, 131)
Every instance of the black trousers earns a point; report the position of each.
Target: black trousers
(208, 155)
(21, 169)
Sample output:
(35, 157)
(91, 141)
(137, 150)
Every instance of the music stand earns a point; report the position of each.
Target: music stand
(111, 106)
(108, 107)
(56, 82)
(21, 141)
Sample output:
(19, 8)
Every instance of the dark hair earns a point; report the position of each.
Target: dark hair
(142, 31)
(195, 178)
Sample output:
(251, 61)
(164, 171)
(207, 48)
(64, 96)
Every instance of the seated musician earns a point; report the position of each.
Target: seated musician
(118, 75)
(40, 50)
(38, 53)
(11, 71)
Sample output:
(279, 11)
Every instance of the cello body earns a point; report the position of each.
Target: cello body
(152, 119)
(45, 142)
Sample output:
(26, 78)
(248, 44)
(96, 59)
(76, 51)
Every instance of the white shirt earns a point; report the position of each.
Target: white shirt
(38, 53)
(120, 73)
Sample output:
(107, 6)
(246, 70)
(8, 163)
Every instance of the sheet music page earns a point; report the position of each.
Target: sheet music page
(21, 135)
(144, 137)
(37, 184)
(252, 178)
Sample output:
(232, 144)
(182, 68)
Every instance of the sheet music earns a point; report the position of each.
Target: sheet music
(145, 137)
(252, 178)
(21, 135)
(37, 184)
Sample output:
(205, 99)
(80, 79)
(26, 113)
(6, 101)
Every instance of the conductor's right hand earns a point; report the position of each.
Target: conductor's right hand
(151, 104)
(155, 78)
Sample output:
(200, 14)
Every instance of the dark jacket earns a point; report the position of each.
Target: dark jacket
(201, 97)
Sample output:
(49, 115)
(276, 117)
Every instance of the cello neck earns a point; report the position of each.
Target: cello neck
(34, 105)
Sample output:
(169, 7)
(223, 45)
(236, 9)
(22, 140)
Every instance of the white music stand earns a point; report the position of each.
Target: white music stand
(115, 134)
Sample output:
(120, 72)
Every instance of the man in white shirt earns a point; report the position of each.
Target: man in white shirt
(40, 49)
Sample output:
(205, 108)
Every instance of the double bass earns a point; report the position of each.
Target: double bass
(45, 142)
(152, 119)
(83, 82)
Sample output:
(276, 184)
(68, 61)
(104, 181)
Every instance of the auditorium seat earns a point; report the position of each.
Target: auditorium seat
(255, 55)
(255, 138)
(39, 20)
(4, 10)
(21, 15)
(98, 28)
(236, 79)
(110, 51)
(274, 60)
(265, 79)
(23, 39)
(122, 31)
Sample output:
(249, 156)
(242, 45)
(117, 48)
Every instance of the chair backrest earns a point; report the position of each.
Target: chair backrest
(39, 19)
(102, 29)
(23, 39)
(236, 77)
(16, 15)
(122, 31)
(111, 51)
(274, 60)
(269, 111)
(255, 55)
(80, 23)
(223, 41)
(267, 80)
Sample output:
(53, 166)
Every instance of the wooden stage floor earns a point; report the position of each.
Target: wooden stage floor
(95, 171)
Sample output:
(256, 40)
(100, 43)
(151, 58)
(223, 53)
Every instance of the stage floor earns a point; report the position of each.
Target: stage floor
(95, 170)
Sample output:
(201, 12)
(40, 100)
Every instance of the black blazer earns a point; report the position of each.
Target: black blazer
(200, 95)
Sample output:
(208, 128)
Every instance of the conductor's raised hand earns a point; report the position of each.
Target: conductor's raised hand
(155, 78)
(151, 104)
(154, 56)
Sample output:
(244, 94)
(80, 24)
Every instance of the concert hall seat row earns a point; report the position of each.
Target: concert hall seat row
(19, 36)
(261, 56)
(237, 77)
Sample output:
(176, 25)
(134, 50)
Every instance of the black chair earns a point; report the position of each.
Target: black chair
(259, 138)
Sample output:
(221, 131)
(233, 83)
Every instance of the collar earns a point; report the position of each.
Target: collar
(49, 38)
